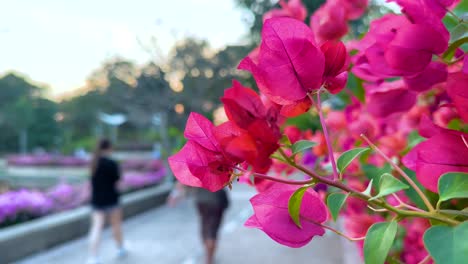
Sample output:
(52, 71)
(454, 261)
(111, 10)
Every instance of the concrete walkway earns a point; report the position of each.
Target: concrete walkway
(170, 235)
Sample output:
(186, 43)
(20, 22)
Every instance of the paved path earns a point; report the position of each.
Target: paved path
(170, 235)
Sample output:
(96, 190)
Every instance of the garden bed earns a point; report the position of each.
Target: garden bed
(37, 235)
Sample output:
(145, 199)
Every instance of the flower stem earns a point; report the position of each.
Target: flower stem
(325, 133)
(407, 205)
(425, 260)
(334, 230)
(402, 173)
(460, 20)
(381, 203)
(277, 179)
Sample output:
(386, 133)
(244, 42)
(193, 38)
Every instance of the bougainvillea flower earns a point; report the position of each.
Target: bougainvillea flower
(297, 108)
(445, 151)
(370, 63)
(242, 105)
(354, 8)
(395, 47)
(200, 130)
(336, 120)
(293, 133)
(291, 8)
(413, 46)
(236, 143)
(457, 89)
(436, 7)
(388, 98)
(336, 62)
(329, 22)
(465, 65)
(289, 64)
(201, 162)
(258, 133)
(427, 12)
(393, 143)
(196, 166)
(272, 217)
(444, 115)
(435, 73)
(413, 244)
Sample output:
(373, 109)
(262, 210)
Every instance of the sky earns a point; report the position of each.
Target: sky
(60, 42)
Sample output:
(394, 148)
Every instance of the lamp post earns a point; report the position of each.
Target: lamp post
(159, 120)
(114, 121)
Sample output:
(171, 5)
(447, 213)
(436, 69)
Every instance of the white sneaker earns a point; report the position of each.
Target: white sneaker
(93, 260)
(121, 253)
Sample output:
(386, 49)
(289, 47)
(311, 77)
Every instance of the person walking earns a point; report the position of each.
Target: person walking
(105, 174)
(211, 207)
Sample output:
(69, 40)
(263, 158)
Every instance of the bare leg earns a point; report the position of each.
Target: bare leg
(116, 223)
(97, 224)
(210, 247)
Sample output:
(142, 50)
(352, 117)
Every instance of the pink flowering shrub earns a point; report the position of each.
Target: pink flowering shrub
(392, 160)
(17, 206)
(46, 160)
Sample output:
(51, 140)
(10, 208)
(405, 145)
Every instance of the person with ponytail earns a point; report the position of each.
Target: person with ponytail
(105, 173)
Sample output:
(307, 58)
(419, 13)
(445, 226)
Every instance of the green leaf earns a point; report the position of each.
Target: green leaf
(302, 145)
(460, 31)
(356, 86)
(448, 54)
(388, 185)
(379, 240)
(334, 202)
(374, 173)
(413, 139)
(285, 140)
(454, 212)
(294, 204)
(453, 185)
(447, 245)
(347, 157)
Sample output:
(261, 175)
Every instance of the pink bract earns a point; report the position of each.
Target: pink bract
(436, 72)
(200, 130)
(388, 98)
(329, 22)
(444, 151)
(243, 105)
(457, 89)
(201, 162)
(293, 133)
(272, 217)
(289, 64)
(196, 166)
(336, 62)
(291, 8)
(354, 8)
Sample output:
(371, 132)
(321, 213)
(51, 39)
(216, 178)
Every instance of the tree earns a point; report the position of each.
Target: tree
(204, 73)
(257, 8)
(26, 118)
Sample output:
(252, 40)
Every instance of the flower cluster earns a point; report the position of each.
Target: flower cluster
(407, 101)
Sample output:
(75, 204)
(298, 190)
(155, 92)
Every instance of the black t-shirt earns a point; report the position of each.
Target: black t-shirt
(104, 183)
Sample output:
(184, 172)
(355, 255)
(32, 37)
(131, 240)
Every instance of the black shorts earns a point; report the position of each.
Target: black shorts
(210, 220)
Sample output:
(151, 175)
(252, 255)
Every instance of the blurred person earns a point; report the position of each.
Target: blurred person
(105, 173)
(81, 153)
(211, 207)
